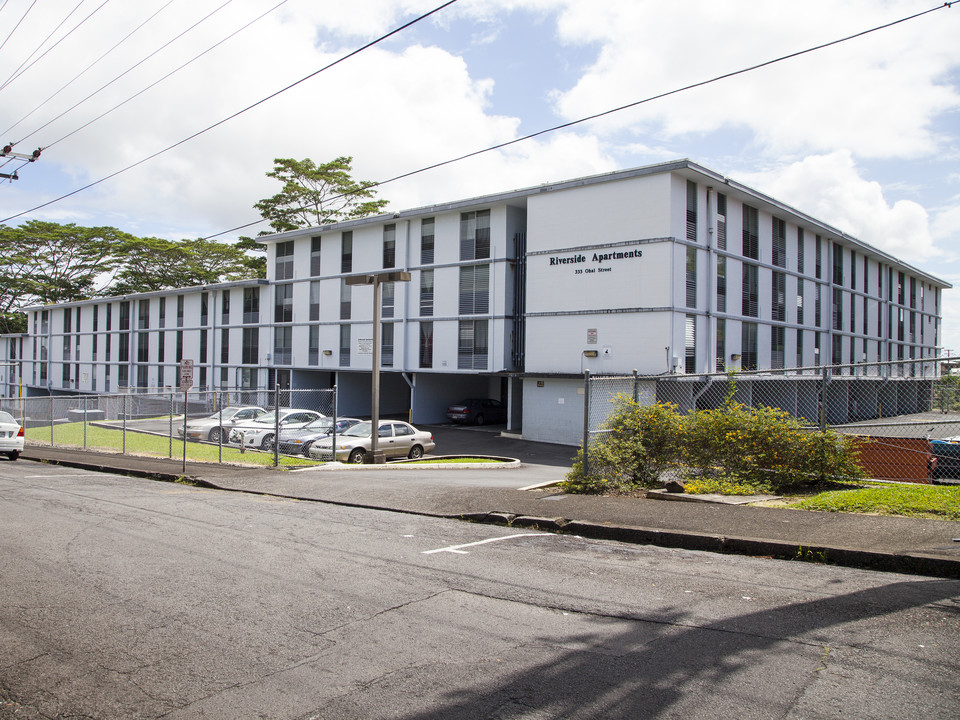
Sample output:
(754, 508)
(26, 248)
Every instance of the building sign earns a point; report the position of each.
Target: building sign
(365, 346)
(186, 375)
(591, 336)
(589, 263)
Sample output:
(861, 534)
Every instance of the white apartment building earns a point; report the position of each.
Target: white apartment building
(664, 269)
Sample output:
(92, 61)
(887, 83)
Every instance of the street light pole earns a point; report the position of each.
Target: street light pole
(376, 280)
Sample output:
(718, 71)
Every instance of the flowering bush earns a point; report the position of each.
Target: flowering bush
(762, 448)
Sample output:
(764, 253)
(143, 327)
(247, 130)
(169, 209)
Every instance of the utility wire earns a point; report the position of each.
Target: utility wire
(615, 110)
(172, 72)
(10, 35)
(88, 67)
(128, 70)
(239, 112)
(50, 35)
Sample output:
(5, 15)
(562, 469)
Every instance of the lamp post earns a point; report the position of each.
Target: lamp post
(377, 280)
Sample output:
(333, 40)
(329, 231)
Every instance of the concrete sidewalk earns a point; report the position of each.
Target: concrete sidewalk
(894, 544)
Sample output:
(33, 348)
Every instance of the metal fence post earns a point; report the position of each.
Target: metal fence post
(220, 433)
(333, 434)
(586, 423)
(636, 387)
(84, 422)
(51, 421)
(276, 424)
(172, 406)
(823, 400)
(123, 451)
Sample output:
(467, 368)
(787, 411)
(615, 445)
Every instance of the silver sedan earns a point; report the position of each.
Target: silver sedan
(395, 439)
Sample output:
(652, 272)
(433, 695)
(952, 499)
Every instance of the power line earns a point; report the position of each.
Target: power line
(239, 112)
(128, 70)
(611, 111)
(172, 72)
(10, 35)
(50, 35)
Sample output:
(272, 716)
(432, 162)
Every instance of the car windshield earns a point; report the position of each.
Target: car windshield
(268, 418)
(6, 417)
(361, 429)
(319, 424)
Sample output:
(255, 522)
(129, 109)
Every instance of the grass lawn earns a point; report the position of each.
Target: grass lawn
(110, 440)
(941, 502)
(453, 461)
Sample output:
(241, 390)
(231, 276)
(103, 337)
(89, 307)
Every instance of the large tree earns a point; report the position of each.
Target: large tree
(315, 195)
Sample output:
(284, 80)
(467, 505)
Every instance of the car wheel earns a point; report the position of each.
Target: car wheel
(356, 457)
(13, 454)
(479, 420)
(306, 449)
(214, 435)
(267, 443)
(416, 452)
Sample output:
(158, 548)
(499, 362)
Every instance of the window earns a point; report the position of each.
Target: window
(45, 320)
(124, 348)
(691, 277)
(801, 251)
(346, 251)
(817, 305)
(345, 346)
(179, 348)
(346, 293)
(721, 284)
(389, 246)
(837, 264)
(800, 301)
(161, 310)
(475, 235)
(721, 344)
(748, 346)
(143, 347)
(123, 376)
(853, 270)
(691, 211)
(778, 292)
(799, 362)
(388, 292)
(750, 290)
(751, 233)
(314, 300)
(124, 317)
(426, 344)
(853, 313)
(836, 350)
(313, 345)
(143, 314)
(204, 308)
(283, 303)
(721, 221)
(779, 242)
(282, 345)
(386, 345)
(837, 309)
(251, 306)
(93, 350)
(472, 345)
(315, 256)
(474, 289)
(225, 308)
(250, 346)
(161, 348)
(690, 344)
(283, 262)
(777, 334)
(426, 241)
(224, 346)
(818, 245)
(68, 320)
(203, 346)
(426, 292)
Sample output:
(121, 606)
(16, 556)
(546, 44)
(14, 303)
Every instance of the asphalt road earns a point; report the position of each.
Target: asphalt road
(126, 598)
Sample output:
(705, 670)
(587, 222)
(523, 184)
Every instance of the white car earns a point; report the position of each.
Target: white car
(396, 439)
(11, 436)
(213, 427)
(259, 433)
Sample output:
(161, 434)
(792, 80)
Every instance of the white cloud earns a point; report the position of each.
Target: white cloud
(830, 188)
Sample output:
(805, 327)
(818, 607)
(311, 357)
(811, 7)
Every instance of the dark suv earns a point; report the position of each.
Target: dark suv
(478, 411)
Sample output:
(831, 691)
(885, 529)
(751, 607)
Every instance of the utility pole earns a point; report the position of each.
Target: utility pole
(8, 153)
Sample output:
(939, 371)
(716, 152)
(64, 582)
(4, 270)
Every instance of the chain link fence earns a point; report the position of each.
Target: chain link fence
(218, 424)
(906, 414)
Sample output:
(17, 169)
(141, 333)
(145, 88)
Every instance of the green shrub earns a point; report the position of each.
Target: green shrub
(637, 444)
(760, 448)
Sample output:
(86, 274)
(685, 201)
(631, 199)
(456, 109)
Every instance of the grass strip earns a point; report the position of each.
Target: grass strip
(922, 501)
(111, 440)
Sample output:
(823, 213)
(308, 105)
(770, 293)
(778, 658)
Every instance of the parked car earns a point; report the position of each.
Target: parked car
(258, 433)
(478, 411)
(11, 436)
(218, 425)
(298, 440)
(395, 439)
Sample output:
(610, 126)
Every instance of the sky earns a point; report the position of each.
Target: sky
(863, 134)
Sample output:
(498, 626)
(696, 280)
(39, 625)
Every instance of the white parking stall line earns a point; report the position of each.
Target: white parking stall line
(457, 548)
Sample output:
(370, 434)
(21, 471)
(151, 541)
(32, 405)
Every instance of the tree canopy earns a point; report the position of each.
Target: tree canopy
(45, 262)
(315, 195)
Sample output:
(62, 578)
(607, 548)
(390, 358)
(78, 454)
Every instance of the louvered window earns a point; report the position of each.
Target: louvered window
(314, 300)
(691, 277)
(801, 251)
(750, 299)
(721, 284)
(721, 345)
(721, 221)
(344, 346)
(779, 242)
(799, 301)
(346, 296)
(389, 246)
(475, 235)
(837, 309)
(426, 344)
(426, 292)
(474, 290)
(776, 347)
(284, 261)
(779, 297)
(386, 345)
(751, 233)
(346, 251)
(472, 345)
(748, 346)
(690, 344)
(315, 256)
(387, 299)
(426, 241)
(691, 211)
